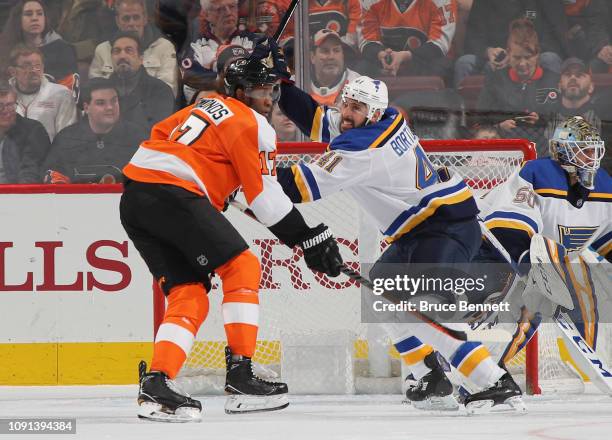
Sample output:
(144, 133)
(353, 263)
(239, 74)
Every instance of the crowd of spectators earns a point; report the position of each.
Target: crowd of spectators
(83, 81)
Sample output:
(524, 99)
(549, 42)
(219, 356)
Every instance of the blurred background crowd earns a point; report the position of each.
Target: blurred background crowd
(83, 81)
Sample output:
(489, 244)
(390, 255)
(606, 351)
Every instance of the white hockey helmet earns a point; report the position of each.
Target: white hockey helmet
(371, 92)
(578, 148)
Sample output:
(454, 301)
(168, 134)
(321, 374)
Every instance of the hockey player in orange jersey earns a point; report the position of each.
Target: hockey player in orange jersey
(177, 184)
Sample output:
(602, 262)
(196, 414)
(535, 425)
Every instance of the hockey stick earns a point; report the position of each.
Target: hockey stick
(595, 368)
(285, 20)
(461, 335)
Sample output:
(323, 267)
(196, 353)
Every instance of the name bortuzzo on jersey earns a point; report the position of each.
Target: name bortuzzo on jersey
(384, 168)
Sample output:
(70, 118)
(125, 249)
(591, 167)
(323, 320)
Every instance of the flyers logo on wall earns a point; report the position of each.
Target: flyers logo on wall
(47, 254)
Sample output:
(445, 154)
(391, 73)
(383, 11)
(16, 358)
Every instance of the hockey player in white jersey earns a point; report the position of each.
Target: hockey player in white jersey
(567, 199)
(426, 214)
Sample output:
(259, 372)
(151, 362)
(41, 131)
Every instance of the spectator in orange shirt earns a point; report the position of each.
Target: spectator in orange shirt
(408, 37)
(342, 16)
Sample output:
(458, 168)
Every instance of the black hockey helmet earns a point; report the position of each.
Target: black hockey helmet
(245, 73)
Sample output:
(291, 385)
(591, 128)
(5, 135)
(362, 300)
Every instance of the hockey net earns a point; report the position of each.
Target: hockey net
(310, 332)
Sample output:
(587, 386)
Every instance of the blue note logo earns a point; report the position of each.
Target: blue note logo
(575, 237)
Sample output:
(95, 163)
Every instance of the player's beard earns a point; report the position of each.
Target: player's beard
(347, 124)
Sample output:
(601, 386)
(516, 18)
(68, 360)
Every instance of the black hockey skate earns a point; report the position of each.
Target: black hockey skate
(434, 391)
(249, 393)
(505, 391)
(161, 400)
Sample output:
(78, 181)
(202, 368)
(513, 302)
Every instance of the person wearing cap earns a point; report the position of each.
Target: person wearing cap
(329, 73)
(577, 98)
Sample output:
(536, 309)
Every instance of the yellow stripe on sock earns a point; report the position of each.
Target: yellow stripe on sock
(417, 355)
(473, 360)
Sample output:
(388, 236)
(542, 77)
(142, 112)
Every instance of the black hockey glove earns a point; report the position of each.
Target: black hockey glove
(262, 49)
(280, 64)
(266, 46)
(321, 251)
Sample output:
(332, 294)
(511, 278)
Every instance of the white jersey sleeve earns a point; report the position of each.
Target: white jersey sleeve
(325, 124)
(334, 171)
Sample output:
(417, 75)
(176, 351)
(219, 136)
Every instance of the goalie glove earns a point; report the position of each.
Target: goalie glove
(321, 251)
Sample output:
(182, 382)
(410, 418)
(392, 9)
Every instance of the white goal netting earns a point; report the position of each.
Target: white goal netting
(310, 333)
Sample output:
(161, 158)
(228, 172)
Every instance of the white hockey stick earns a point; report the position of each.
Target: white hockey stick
(586, 358)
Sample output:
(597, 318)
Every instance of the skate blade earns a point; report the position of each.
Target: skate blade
(243, 403)
(479, 407)
(513, 404)
(517, 404)
(437, 403)
(156, 412)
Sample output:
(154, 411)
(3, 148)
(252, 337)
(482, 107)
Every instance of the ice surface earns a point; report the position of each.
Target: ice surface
(108, 412)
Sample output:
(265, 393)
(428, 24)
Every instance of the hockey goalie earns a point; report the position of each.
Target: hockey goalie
(551, 217)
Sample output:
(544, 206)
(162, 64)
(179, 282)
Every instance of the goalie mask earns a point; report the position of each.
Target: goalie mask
(578, 148)
(370, 92)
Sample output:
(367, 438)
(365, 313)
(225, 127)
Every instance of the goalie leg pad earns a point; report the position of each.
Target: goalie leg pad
(548, 270)
(239, 404)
